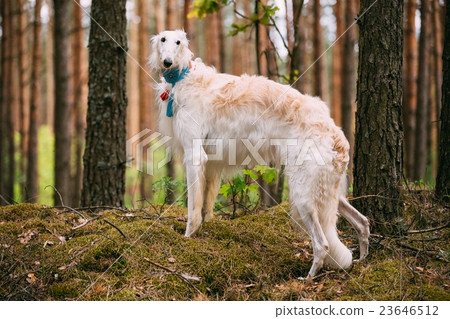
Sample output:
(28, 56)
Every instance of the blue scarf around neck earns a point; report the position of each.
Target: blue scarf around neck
(172, 76)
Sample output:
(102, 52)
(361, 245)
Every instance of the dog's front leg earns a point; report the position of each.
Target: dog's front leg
(195, 173)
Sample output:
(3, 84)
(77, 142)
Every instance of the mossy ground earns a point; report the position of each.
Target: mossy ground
(252, 257)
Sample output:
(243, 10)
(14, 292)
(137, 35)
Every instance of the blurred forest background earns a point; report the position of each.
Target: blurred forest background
(44, 81)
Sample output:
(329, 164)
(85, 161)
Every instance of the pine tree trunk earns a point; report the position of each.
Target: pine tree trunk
(423, 91)
(62, 120)
(410, 87)
(170, 15)
(160, 26)
(105, 157)
(3, 91)
(35, 105)
(379, 136)
(78, 85)
(318, 50)
(339, 58)
(48, 110)
(443, 176)
(23, 86)
(145, 107)
(437, 60)
(171, 164)
(298, 60)
(347, 77)
(212, 40)
(11, 106)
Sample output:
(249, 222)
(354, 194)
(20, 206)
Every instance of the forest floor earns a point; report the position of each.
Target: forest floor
(65, 254)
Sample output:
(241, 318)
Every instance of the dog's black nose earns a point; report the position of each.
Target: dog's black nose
(167, 63)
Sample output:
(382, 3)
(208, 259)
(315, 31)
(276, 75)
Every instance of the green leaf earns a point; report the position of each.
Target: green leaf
(225, 190)
(250, 173)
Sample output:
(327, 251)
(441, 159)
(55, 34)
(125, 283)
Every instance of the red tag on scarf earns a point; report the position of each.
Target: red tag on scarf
(165, 95)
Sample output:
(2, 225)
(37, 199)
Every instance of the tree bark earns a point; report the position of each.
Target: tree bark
(105, 156)
(35, 104)
(347, 78)
(171, 164)
(423, 92)
(379, 132)
(78, 88)
(159, 16)
(23, 87)
(62, 120)
(48, 110)
(319, 85)
(212, 40)
(11, 102)
(170, 15)
(3, 106)
(437, 37)
(339, 58)
(298, 60)
(443, 176)
(410, 87)
(146, 109)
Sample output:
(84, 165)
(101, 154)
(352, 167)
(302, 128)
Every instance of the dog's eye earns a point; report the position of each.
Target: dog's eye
(178, 42)
(163, 39)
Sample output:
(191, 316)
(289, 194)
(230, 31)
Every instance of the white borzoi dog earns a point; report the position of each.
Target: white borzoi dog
(252, 119)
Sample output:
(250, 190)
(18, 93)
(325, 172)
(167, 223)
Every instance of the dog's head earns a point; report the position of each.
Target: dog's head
(170, 50)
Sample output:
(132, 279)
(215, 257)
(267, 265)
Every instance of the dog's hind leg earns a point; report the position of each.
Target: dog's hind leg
(195, 169)
(359, 222)
(310, 219)
(212, 186)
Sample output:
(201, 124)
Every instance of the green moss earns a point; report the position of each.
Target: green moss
(67, 290)
(23, 212)
(252, 257)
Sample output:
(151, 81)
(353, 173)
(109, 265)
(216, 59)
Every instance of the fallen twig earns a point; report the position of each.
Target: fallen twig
(59, 194)
(420, 231)
(173, 272)
(120, 231)
(86, 221)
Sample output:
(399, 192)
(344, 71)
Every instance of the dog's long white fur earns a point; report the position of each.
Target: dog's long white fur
(211, 105)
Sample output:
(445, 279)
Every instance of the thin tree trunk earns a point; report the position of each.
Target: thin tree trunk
(186, 21)
(339, 58)
(171, 164)
(443, 176)
(212, 40)
(437, 37)
(317, 51)
(238, 52)
(105, 157)
(249, 58)
(423, 91)
(379, 133)
(410, 87)
(298, 60)
(62, 118)
(170, 15)
(23, 86)
(160, 26)
(11, 101)
(221, 39)
(4, 79)
(78, 85)
(145, 107)
(49, 105)
(35, 104)
(347, 78)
